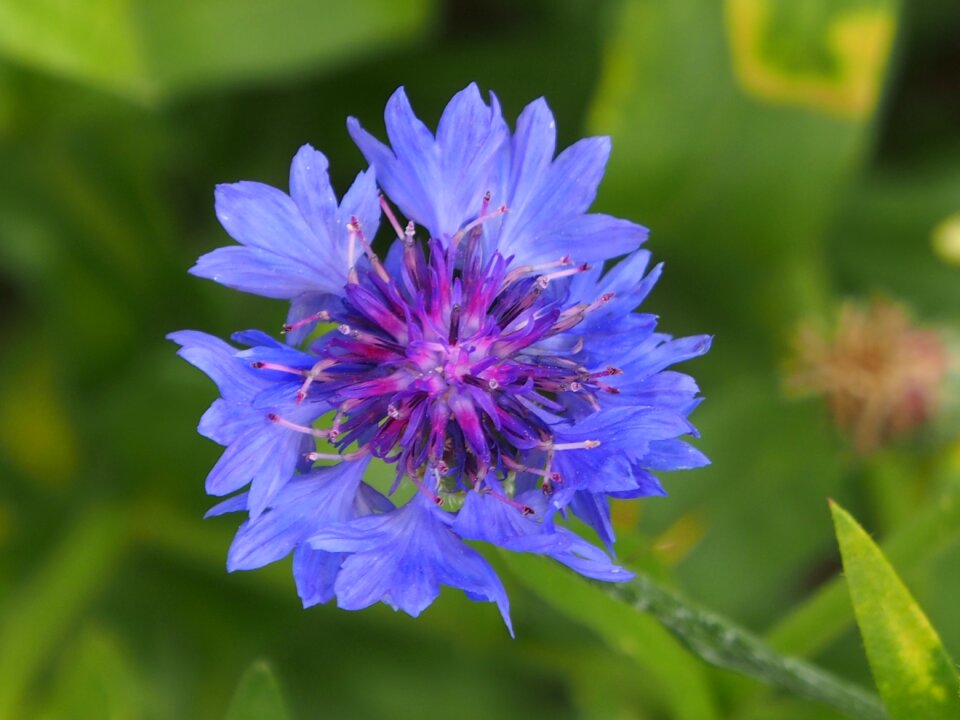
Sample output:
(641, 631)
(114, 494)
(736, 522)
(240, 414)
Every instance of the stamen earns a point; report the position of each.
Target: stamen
(486, 203)
(316, 317)
(260, 365)
(274, 418)
(610, 370)
(409, 233)
(437, 500)
(316, 373)
(584, 445)
(525, 270)
(519, 467)
(355, 455)
(545, 280)
(502, 210)
(525, 510)
(356, 231)
(388, 211)
(573, 315)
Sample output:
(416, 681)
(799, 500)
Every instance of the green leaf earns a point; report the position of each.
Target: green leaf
(45, 607)
(257, 696)
(824, 616)
(147, 50)
(736, 125)
(915, 676)
(97, 678)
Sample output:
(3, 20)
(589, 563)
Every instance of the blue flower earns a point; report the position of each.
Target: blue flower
(498, 364)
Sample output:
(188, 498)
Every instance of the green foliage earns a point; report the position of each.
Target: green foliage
(148, 50)
(914, 673)
(258, 696)
(785, 155)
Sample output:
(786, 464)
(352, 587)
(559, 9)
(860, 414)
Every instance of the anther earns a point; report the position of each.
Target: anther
(409, 233)
(316, 317)
(525, 270)
(393, 412)
(486, 203)
(485, 217)
(260, 365)
(493, 384)
(563, 273)
(316, 373)
(274, 418)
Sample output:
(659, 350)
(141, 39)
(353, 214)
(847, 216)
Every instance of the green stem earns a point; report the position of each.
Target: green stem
(725, 645)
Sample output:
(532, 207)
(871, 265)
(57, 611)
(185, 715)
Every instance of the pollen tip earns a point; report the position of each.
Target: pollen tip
(257, 364)
(527, 511)
(273, 417)
(590, 444)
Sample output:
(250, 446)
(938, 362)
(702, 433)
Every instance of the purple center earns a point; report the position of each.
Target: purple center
(452, 369)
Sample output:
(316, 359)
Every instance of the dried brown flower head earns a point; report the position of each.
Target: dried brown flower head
(880, 375)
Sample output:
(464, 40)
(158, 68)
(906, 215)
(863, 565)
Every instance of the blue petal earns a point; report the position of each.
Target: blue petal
(484, 517)
(292, 244)
(218, 360)
(403, 557)
(437, 183)
(237, 503)
(313, 196)
(468, 136)
(301, 508)
(315, 572)
(594, 510)
(532, 150)
(546, 204)
(262, 272)
(674, 455)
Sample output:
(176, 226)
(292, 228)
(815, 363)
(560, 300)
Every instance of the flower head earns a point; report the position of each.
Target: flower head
(489, 358)
(882, 377)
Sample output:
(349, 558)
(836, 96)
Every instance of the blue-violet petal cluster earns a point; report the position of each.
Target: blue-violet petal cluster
(492, 357)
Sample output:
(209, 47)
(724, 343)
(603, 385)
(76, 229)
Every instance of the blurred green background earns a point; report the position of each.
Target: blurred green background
(786, 154)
